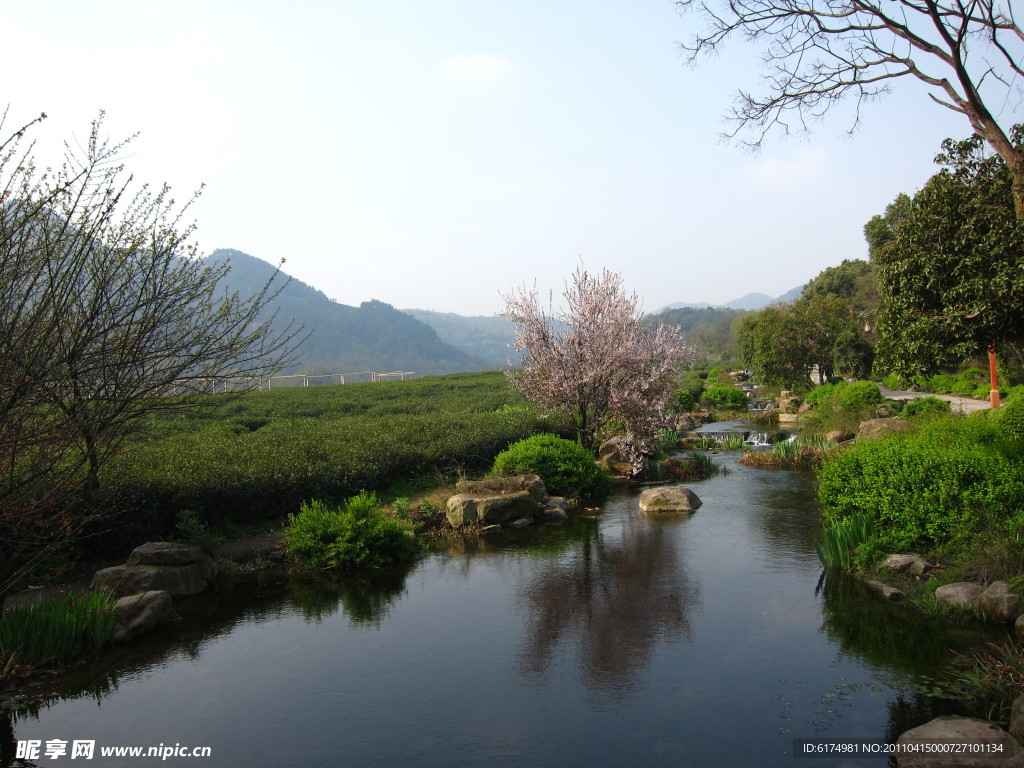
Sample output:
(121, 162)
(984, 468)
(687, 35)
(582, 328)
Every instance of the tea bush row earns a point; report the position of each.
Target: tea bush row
(228, 475)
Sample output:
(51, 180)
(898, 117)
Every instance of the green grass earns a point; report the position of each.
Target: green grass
(53, 630)
(806, 452)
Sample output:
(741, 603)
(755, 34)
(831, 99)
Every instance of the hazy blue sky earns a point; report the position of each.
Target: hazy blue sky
(434, 153)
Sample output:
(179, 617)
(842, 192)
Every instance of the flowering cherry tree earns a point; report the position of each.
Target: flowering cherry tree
(597, 361)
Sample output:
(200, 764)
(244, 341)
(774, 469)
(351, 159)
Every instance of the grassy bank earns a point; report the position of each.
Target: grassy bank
(258, 457)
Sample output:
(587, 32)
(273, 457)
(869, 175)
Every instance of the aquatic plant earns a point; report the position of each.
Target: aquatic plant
(837, 544)
(733, 442)
(805, 452)
(992, 677)
(54, 629)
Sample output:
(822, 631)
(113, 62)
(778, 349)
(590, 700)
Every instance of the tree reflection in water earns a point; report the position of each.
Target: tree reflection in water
(613, 598)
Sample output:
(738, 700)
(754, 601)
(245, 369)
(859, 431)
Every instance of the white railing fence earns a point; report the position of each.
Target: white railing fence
(240, 384)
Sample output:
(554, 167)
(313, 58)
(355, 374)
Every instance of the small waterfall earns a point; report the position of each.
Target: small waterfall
(758, 440)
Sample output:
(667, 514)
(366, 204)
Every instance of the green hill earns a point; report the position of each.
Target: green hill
(371, 337)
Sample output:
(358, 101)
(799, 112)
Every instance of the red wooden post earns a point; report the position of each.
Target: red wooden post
(993, 396)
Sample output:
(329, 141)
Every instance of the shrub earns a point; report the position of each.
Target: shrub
(892, 381)
(682, 401)
(954, 479)
(823, 393)
(724, 396)
(1011, 419)
(860, 395)
(925, 406)
(356, 534)
(567, 468)
(1015, 392)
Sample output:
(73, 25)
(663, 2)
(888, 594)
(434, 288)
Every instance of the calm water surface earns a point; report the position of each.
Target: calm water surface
(608, 641)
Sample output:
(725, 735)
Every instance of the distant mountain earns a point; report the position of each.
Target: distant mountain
(371, 337)
(750, 301)
(486, 338)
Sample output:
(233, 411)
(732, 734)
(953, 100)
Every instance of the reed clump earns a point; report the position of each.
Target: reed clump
(54, 629)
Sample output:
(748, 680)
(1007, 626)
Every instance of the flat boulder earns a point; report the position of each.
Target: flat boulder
(927, 746)
(668, 499)
(887, 591)
(168, 553)
(961, 594)
(915, 565)
(178, 569)
(136, 614)
(499, 509)
(875, 428)
(555, 508)
(494, 486)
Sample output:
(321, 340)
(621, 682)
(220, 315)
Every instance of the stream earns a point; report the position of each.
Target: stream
(610, 640)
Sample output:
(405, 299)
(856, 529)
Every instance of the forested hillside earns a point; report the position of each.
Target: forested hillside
(371, 337)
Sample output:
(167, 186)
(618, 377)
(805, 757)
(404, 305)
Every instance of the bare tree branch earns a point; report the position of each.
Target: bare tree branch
(819, 52)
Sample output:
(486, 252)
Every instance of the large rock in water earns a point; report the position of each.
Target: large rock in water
(178, 569)
(668, 499)
(493, 486)
(136, 614)
(610, 456)
(465, 508)
(995, 748)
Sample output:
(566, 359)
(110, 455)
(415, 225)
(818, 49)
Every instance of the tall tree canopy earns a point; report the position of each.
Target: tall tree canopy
(951, 263)
(817, 52)
(785, 342)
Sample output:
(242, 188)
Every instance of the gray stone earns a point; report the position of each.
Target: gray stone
(500, 509)
(522, 522)
(838, 436)
(958, 730)
(875, 428)
(461, 510)
(997, 603)
(555, 508)
(136, 614)
(1018, 627)
(1017, 717)
(962, 594)
(610, 456)
(168, 553)
(885, 590)
(915, 565)
(668, 499)
(123, 580)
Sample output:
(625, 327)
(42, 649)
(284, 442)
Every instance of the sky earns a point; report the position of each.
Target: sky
(438, 154)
